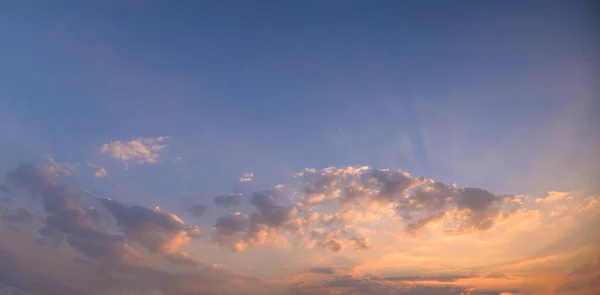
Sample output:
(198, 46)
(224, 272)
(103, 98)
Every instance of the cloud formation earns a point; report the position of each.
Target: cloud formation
(362, 231)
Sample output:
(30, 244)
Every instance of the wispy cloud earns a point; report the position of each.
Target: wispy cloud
(247, 177)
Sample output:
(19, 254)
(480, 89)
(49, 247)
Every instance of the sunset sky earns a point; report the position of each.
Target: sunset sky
(299, 147)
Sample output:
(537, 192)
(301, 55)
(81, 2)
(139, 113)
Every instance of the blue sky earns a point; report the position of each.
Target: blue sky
(306, 84)
(500, 96)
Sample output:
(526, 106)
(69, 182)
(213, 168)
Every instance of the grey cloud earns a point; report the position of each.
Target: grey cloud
(4, 189)
(323, 270)
(152, 229)
(182, 259)
(230, 200)
(197, 210)
(50, 236)
(20, 216)
(264, 200)
(447, 278)
(230, 225)
(393, 184)
(474, 198)
(6, 199)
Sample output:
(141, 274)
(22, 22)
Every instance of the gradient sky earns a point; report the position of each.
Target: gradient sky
(461, 138)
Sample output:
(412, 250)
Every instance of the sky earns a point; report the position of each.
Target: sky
(299, 147)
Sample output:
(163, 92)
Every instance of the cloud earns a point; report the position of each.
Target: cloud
(230, 200)
(361, 243)
(553, 196)
(101, 173)
(367, 211)
(113, 265)
(20, 216)
(197, 210)
(247, 177)
(157, 231)
(141, 150)
(323, 270)
(229, 225)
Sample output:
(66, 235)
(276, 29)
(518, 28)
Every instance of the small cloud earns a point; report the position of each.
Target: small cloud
(176, 160)
(229, 200)
(247, 177)
(141, 150)
(101, 173)
(197, 210)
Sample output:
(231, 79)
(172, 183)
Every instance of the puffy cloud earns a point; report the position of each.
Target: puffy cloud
(247, 177)
(230, 200)
(141, 150)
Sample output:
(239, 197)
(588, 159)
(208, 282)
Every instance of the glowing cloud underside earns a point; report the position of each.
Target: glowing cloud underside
(351, 230)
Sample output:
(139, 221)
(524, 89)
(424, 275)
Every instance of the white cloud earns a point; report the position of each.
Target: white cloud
(142, 150)
(247, 177)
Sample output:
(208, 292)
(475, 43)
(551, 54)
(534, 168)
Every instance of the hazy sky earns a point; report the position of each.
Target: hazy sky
(307, 147)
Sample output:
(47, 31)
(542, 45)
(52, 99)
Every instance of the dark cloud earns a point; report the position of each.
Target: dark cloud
(448, 278)
(197, 210)
(50, 236)
(230, 225)
(230, 200)
(20, 216)
(18, 274)
(4, 189)
(151, 228)
(6, 199)
(264, 200)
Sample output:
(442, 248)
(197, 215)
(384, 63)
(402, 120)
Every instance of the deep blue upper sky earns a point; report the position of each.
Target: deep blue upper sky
(458, 90)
